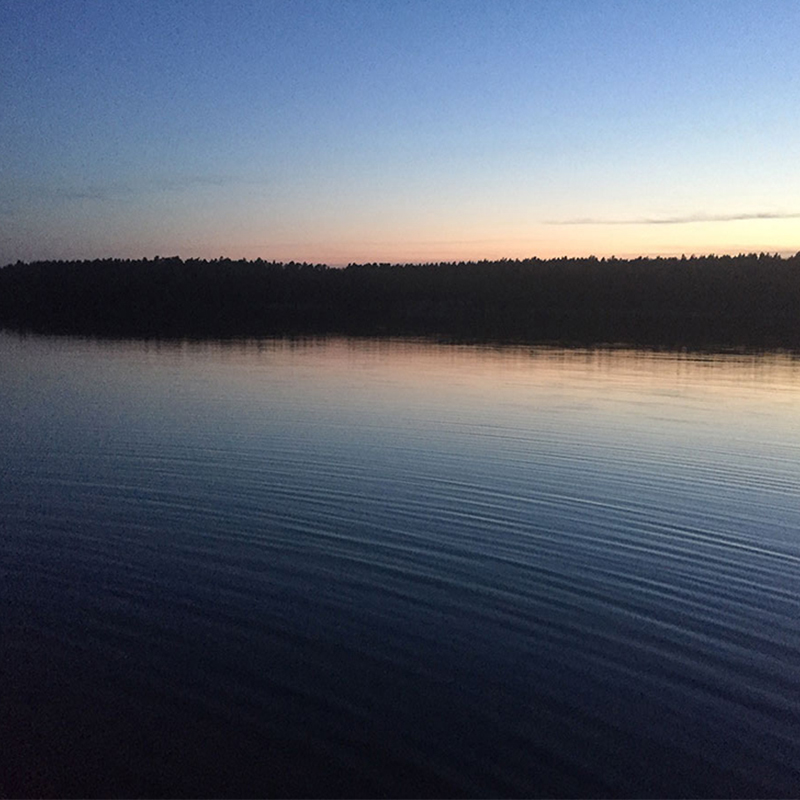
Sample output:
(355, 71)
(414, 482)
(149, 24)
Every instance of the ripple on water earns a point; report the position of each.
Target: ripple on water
(324, 571)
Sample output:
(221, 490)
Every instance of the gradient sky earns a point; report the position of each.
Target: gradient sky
(398, 130)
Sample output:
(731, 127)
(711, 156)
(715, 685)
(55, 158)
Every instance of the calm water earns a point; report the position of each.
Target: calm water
(390, 568)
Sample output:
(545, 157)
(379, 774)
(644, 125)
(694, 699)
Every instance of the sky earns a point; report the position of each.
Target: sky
(394, 130)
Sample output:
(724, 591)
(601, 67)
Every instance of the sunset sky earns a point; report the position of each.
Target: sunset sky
(398, 130)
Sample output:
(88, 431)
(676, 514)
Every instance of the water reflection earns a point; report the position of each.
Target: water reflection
(357, 567)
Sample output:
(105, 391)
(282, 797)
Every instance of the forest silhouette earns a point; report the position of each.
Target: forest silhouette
(707, 301)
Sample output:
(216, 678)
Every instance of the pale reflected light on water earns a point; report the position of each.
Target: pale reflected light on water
(391, 568)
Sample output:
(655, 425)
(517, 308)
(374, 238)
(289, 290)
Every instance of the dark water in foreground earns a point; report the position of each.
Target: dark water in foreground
(384, 568)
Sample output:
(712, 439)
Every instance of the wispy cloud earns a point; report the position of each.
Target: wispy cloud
(168, 183)
(114, 191)
(109, 191)
(179, 183)
(678, 220)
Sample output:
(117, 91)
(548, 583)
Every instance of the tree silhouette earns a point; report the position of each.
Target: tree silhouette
(729, 301)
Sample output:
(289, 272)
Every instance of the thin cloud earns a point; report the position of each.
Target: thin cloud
(125, 190)
(95, 192)
(180, 183)
(680, 220)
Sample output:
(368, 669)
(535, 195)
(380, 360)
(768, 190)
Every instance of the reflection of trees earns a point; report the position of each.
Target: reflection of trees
(728, 300)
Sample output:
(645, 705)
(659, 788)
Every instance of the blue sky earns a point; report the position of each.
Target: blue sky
(392, 131)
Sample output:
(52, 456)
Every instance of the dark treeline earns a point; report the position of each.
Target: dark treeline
(728, 301)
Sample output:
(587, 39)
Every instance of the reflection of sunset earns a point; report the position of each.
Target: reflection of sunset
(407, 555)
(395, 372)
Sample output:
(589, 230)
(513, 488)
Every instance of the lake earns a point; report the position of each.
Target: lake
(352, 567)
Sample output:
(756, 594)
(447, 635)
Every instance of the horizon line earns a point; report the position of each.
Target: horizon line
(782, 254)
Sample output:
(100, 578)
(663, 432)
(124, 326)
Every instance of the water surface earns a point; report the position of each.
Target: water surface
(371, 568)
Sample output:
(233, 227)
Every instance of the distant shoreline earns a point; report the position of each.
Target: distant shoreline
(706, 302)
